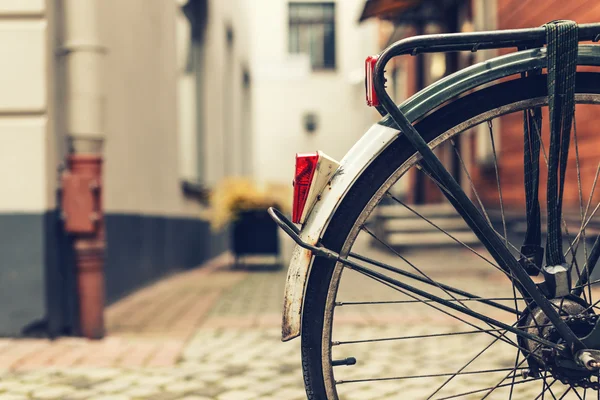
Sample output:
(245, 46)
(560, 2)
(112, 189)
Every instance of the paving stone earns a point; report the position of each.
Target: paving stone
(52, 392)
(140, 392)
(113, 386)
(291, 393)
(156, 380)
(195, 398)
(238, 382)
(97, 373)
(111, 397)
(26, 388)
(183, 387)
(9, 385)
(238, 395)
(81, 394)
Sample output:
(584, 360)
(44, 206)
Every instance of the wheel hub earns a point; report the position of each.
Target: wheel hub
(581, 319)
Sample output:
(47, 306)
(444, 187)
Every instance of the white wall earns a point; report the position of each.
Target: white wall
(216, 122)
(285, 88)
(152, 116)
(27, 164)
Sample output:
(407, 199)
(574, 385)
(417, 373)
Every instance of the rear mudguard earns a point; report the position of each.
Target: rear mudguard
(375, 140)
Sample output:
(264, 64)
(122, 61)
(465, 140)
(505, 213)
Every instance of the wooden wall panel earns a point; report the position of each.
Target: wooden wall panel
(521, 14)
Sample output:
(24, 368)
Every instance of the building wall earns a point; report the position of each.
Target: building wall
(27, 164)
(520, 14)
(285, 88)
(214, 85)
(152, 228)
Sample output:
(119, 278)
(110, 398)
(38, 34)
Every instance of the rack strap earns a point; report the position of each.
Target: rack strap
(562, 64)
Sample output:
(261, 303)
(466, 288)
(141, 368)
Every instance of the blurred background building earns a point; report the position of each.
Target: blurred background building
(176, 95)
(399, 19)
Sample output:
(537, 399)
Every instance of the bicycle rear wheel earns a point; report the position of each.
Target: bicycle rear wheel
(332, 289)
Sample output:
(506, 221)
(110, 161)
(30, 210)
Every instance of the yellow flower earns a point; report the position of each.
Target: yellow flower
(235, 195)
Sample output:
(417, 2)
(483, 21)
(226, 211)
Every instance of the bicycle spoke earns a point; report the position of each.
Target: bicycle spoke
(492, 389)
(445, 288)
(491, 132)
(444, 231)
(483, 390)
(433, 335)
(578, 167)
(577, 238)
(397, 378)
(545, 386)
(488, 320)
(498, 180)
(384, 281)
(577, 394)
(592, 191)
(565, 393)
(466, 171)
(464, 366)
(588, 267)
(443, 188)
(430, 282)
(362, 303)
(514, 375)
(574, 260)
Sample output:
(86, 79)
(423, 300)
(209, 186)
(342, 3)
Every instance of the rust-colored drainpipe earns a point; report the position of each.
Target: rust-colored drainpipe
(82, 181)
(82, 215)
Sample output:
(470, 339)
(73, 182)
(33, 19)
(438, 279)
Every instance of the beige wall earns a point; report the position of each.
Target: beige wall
(27, 165)
(151, 123)
(140, 116)
(218, 121)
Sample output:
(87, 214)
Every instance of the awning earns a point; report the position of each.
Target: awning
(387, 9)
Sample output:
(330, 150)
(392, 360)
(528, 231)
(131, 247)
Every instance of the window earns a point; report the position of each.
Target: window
(312, 32)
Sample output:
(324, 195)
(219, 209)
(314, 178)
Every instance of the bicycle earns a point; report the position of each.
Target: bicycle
(548, 320)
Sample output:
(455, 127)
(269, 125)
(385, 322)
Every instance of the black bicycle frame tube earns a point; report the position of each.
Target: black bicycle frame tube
(470, 213)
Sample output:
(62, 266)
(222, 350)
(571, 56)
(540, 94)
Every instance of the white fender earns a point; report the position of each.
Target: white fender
(377, 138)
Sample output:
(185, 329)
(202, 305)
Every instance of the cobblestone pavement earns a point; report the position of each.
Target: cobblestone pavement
(214, 333)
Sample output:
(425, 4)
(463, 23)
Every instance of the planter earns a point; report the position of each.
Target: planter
(255, 234)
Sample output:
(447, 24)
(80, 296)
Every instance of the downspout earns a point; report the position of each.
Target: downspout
(82, 181)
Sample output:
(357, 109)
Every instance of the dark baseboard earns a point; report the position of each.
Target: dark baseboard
(37, 276)
(141, 249)
(22, 272)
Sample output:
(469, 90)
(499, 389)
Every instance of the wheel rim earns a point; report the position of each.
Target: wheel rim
(328, 372)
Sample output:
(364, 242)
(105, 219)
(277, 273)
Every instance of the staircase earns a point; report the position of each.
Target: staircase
(400, 227)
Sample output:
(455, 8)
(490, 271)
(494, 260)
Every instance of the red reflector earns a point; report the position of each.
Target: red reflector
(306, 165)
(372, 99)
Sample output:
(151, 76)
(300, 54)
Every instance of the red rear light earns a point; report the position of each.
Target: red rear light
(306, 165)
(372, 99)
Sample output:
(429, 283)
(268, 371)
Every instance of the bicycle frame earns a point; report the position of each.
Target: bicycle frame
(379, 137)
(454, 193)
